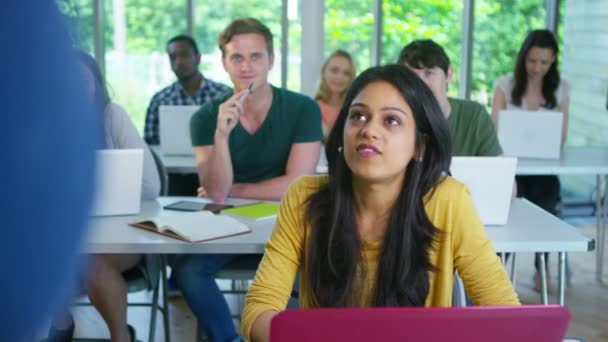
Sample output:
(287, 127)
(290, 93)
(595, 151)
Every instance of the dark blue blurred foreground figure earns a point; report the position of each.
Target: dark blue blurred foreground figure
(48, 138)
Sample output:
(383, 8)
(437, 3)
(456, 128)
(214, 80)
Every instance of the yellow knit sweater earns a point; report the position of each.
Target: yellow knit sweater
(463, 246)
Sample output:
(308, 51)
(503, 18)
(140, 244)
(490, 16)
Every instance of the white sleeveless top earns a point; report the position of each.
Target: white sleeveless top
(506, 83)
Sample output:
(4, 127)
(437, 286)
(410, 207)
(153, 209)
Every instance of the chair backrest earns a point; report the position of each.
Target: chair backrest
(162, 173)
(459, 297)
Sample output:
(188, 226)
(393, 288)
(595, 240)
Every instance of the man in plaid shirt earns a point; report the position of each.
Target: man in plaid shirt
(191, 87)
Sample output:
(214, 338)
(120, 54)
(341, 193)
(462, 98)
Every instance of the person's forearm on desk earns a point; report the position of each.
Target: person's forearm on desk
(215, 169)
(303, 159)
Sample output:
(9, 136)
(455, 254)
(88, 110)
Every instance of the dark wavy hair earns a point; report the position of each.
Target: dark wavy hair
(334, 248)
(424, 53)
(101, 94)
(542, 39)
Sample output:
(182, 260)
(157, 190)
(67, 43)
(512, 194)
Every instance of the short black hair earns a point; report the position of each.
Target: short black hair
(424, 53)
(186, 38)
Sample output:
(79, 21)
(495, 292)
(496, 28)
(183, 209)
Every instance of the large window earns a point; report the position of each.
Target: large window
(137, 66)
(294, 45)
(404, 21)
(135, 33)
(349, 26)
(79, 16)
(500, 29)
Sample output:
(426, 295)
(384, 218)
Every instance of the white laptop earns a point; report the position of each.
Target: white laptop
(174, 129)
(118, 182)
(530, 134)
(490, 181)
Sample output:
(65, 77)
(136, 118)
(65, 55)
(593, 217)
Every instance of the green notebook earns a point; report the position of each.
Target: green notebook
(255, 211)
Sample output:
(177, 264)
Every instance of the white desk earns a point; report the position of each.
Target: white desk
(114, 235)
(574, 161)
(532, 229)
(187, 164)
(577, 160)
(529, 229)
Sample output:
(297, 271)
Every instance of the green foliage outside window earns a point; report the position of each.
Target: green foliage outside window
(500, 27)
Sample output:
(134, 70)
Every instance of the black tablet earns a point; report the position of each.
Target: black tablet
(186, 206)
(197, 206)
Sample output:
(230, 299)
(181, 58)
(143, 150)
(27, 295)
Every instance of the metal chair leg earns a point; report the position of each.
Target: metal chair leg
(165, 300)
(513, 269)
(154, 310)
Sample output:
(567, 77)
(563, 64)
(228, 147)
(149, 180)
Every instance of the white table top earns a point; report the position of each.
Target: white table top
(187, 164)
(529, 229)
(575, 160)
(114, 235)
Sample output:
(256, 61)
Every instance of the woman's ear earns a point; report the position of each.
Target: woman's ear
(420, 153)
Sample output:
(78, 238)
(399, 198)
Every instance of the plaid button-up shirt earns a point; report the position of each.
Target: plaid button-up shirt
(175, 95)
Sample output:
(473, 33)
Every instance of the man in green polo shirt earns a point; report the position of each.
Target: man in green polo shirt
(470, 125)
(250, 143)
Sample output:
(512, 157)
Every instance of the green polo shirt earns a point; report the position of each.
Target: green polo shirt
(471, 130)
(293, 118)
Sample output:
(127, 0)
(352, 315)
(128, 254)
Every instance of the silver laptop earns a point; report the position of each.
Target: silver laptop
(174, 129)
(530, 134)
(119, 181)
(490, 181)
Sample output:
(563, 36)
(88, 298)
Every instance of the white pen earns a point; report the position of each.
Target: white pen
(246, 93)
(243, 97)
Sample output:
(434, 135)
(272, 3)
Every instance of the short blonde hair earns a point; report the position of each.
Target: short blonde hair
(323, 89)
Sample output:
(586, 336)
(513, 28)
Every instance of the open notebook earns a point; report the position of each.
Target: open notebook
(195, 226)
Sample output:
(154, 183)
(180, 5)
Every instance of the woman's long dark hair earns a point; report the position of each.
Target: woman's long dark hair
(334, 248)
(101, 95)
(542, 39)
(101, 98)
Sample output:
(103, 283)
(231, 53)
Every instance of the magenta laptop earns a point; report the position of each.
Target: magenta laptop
(529, 323)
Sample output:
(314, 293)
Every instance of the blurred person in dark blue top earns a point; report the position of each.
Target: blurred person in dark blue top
(49, 133)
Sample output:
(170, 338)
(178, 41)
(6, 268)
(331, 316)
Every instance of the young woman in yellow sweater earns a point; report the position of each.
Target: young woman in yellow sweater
(386, 226)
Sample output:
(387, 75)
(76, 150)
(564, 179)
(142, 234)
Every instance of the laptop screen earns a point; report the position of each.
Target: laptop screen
(530, 134)
(534, 323)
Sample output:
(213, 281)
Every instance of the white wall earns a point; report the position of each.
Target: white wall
(585, 65)
(312, 44)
